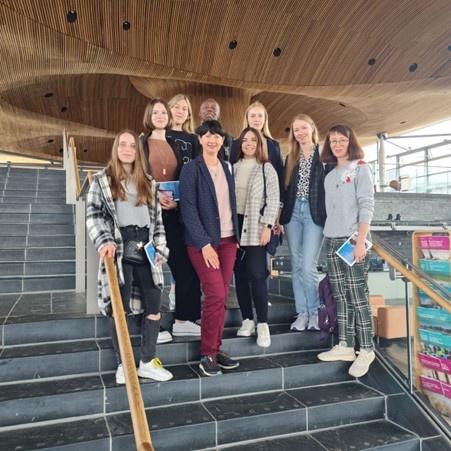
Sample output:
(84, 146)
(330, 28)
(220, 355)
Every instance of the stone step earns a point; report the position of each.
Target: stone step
(12, 207)
(36, 218)
(19, 242)
(34, 284)
(36, 229)
(66, 358)
(47, 195)
(37, 268)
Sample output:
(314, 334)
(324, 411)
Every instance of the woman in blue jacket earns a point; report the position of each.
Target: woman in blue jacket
(208, 208)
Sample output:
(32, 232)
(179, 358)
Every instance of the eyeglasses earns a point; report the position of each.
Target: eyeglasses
(335, 142)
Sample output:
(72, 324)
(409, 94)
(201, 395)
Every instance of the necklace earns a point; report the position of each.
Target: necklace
(164, 157)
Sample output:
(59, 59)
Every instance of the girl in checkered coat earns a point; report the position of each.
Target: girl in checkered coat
(252, 171)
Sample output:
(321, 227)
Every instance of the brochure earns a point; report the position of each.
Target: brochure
(150, 253)
(170, 189)
(346, 250)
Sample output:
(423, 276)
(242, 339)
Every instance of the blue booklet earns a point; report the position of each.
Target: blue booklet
(347, 248)
(170, 189)
(150, 253)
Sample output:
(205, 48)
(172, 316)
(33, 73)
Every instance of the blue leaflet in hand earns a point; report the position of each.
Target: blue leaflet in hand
(170, 188)
(346, 250)
(150, 252)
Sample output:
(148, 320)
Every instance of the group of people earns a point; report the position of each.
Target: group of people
(233, 196)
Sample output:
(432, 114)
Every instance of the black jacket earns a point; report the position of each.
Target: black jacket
(317, 196)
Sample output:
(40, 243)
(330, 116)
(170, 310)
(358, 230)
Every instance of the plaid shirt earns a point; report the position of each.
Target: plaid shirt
(103, 229)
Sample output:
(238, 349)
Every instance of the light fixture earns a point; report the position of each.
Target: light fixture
(126, 26)
(413, 67)
(233, 44)
(71, 16)
(371, 61)
(277, 52)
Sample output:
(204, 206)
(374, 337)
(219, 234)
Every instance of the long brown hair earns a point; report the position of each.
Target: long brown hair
(355, 150)
(147, 119)
(294, 148)
(117, 174)
(260, 154)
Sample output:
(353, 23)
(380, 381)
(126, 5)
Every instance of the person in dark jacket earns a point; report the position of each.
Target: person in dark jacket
(208, 206)
(256, 117)
(165, 161)
(303, 216)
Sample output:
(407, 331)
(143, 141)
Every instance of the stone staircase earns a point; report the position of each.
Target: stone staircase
(37, 243)
(58, 392)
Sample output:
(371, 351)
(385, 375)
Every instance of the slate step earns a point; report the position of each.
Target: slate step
(12, 207)
(35, 284)
(37, 268)
(47, 194)
(21, 241)
(36, 218)
(36, 229)
(23, 402)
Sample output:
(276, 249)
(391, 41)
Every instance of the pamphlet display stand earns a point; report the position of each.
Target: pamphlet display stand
(431, 253)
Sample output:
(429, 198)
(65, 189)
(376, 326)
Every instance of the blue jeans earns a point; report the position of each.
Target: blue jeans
(304, 242)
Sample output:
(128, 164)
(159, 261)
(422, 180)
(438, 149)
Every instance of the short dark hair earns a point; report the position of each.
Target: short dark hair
(214, 127)
(355, 150)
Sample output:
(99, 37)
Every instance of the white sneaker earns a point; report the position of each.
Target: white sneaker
(171, 301)
(154, 370)
(120, 376)
(337, 353)
(313, 322)
(301, 322)
(247, 328)
(163, 336)
(263, 336)
(362, 363)
(187, 328)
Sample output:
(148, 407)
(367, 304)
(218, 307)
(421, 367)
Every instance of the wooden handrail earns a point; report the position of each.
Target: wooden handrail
(75, 165)
(135, 400)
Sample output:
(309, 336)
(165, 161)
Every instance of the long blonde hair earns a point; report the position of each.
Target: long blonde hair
(294, 148)
(117, 174)
(188, 125)
(265, 128)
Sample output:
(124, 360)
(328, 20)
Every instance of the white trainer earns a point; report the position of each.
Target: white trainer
(362, 363)
(338, 353)
(246, 329)
(154, 370)
(163, 336)
(186, 328)
(263, 335)
(301, 322)
(313, 322)
(120, 375)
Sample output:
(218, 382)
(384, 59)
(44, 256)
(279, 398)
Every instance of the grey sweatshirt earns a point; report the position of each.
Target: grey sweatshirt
(349, 199)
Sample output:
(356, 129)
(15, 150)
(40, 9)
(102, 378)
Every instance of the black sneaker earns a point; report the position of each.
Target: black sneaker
(225, 362)
(209, 366)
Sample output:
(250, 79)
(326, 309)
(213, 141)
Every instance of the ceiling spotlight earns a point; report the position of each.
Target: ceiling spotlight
(287, 130)
(413, 67)
(48, 94)
(85, 150)
(342, 105)
(277, 52)
(71, 16)
(371, 61)
(126, 26)
(233, 44)
(50, 141)
(63, 109)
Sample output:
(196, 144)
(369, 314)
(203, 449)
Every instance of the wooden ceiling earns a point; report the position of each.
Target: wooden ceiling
(377, 65)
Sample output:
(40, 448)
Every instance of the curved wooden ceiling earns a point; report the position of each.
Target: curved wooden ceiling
(380, 65)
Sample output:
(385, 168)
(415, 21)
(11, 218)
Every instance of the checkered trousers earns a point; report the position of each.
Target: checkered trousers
(350, 287)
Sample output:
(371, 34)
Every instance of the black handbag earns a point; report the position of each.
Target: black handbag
(134, 253)
(276, 238)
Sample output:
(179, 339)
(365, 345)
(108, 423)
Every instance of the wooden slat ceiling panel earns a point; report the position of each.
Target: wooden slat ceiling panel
(104, 74)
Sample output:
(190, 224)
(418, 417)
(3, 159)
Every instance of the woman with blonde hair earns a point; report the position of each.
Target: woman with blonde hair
(256, 117)
(122, 206)
(303, 216)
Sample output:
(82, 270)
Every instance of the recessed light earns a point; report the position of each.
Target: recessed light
(126, 26)
(85, 150)
(48, 94)
(71, 16)
(277, 52)
(50, 141)
(342, 105)
(287, 130)
(371, 61)
(63, 109)
(233, 44)
(413, 67)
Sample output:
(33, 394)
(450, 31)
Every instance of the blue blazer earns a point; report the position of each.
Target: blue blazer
(199, 205)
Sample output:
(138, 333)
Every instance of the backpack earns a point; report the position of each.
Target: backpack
(327, 310)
